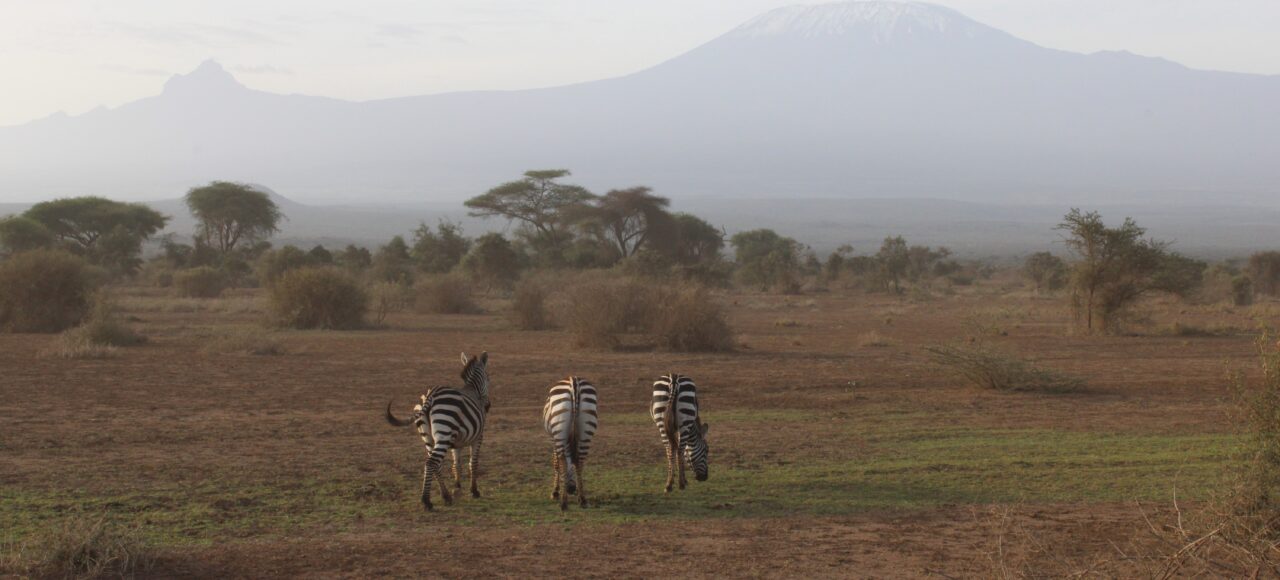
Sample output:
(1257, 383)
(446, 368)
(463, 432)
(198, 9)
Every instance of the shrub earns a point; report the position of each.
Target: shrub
(318, 298)
(44, 291)
(1242, 291)
(388, 298)
(99, 336)
(989, 368)
(202, 282)
(529, 305)
(448, 294)
(80, 547)
(688, 319)
(600, 309)
(248, 341)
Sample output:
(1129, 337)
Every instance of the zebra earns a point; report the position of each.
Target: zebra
(571, 420)
(681, 426)
(449, 418)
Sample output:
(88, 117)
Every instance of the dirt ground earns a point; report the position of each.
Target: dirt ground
(261, 466)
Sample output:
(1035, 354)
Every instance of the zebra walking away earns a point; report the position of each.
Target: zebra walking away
(448, 419)
(571, 419)
(675, 411)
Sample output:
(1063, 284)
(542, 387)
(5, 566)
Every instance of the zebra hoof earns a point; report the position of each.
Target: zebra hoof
(555, 494)
(475, 493)
(583, 504)
(426, 506)
(564, 506)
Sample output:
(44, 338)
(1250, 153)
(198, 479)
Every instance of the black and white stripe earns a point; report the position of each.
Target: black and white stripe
(675, 411)
(449, 419)
(571, 418)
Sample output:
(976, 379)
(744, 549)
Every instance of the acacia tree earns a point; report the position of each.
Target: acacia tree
(493, 260)
(1046, 270)
(627, 218)
(537, 200)
(696, 242)
(230, 214)
(894, 259)
(1117, 266)
(106, 232)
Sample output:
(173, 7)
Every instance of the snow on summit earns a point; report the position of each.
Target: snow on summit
(881, 21)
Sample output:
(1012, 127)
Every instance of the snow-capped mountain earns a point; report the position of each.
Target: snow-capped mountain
(854, 99)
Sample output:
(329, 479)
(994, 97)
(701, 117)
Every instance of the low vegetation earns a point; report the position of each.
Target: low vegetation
(447, 294)
(387, 298)
(201, 282)
(250, 341)
(44, 291)
(529, 309)
(98, 337)
(325, 298)
(990, 368)
(601, 311)
(80, 546)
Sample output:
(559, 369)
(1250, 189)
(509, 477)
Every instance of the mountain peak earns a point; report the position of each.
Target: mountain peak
(881, 21)
(207, 78)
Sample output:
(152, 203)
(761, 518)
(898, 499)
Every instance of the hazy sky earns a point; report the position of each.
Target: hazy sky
(74, 55)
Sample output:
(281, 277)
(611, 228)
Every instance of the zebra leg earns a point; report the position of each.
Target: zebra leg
(433, 467)
(426, 485)
(563, 463)
(473, 468)
(555, 468)
(671, 466)
(582, 486)
(457, 471)
(680, 460)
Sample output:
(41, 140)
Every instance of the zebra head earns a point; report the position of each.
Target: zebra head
(475, 374)
(694, 440)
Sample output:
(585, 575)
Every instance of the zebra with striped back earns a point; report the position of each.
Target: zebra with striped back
(570, 417)
(448, 419)
(675, 411)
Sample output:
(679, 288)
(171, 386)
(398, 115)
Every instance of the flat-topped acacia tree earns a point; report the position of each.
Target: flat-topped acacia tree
(230, 214)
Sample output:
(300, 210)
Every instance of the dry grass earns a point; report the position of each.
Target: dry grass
(79, 547)
(874, 339)
(99, 337)
(250, 341)
(171, 305)
(388, 298)
(202, 282)
(990, 368)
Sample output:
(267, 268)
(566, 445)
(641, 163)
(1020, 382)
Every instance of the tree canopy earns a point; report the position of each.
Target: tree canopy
(628, 218)
(537, 200)
(229, 214)
(108, 233)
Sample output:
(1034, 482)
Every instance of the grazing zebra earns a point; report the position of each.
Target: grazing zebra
(680, 425)
(449, 418)
(570, 418)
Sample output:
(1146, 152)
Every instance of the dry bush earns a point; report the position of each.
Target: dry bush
(388, 298)
(44, 291)
(252, 341)
(202, 282)
(990, 368)
(688, 319)
(529, 309)
(600, 309)
(325, 298)
(80, 547)
(98, 337)
(448, 294)
(875, 340)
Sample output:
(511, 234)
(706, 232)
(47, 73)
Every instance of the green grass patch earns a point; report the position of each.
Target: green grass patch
(907, 469)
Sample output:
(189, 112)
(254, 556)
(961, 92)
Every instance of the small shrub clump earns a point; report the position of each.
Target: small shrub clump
(80, 547)
(250, 341)
(387, 298)
(202, 282)
(99, 337)
(448, 294)
(989, 368)
(529, 309)
(688, 319)
(323, 297)
(44, 291)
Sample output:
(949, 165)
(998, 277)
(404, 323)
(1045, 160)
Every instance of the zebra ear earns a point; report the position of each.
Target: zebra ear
(704, 428)
(465, 360)
(484, 358)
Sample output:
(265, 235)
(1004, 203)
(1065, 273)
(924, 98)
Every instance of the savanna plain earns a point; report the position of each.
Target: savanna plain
(839, 447)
